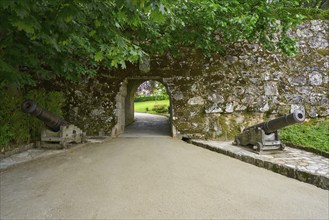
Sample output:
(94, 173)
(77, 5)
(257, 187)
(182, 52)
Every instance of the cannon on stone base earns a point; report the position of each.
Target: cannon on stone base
(265, 136)
(58, 132)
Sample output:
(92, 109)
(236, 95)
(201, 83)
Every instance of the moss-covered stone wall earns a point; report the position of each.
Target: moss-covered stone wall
(215, 97)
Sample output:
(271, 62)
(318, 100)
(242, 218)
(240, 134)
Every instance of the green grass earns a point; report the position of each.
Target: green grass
(314, 133)
(146, 107)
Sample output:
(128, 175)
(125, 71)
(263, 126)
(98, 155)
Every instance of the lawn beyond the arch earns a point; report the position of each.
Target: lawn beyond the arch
(146, 107)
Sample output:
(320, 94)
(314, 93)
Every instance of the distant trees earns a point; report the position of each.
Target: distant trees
(151, 88)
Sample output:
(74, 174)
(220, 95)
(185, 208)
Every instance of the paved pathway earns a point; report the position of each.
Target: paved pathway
(153, 177)
(147, 125)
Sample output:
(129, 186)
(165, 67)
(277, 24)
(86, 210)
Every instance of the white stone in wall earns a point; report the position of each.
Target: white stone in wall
(318, 42)
(271, 88)
(198, 100)
(96, 112)
(266, 76)
(260, 60)
(215, 98)
(214, 109)
(265, 108)
(326, 64)
(194, 88)
(193, 114)
(229, 107)
(109, 119)
(244, 57)
(304, 33)
(240, 108)
(297, 81)
(315, 78)
(294, 107)
(304, 89)
(178, 95)
(316, 25)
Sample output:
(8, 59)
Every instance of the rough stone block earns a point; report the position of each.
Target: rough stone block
(315, 78)
(294, 99)
(145, 64)
(231, 59)
(304, 89)
(297, 107)
(271, 88)
(213, 109)
(264, 108)
(178, 95)
(298, 80)
(198, 100)
(229, 107)
(314, 99)
(215, 98)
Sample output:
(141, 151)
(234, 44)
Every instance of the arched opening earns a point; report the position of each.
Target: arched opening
(153, 107)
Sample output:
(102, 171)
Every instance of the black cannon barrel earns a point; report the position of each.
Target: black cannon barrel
(52, 121)
(271, 126)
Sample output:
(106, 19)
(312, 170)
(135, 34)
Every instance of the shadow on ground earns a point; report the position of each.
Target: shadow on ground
(148, 125)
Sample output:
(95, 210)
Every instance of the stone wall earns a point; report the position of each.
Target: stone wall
(217, 97)
(92, 104)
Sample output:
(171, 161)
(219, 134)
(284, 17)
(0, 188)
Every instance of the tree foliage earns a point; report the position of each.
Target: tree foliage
(44, 39)
(151, 87)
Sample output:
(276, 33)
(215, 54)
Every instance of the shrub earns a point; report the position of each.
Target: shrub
(143, 98)
(160, 108)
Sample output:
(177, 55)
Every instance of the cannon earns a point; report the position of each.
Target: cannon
(58, 132)
(265, 136)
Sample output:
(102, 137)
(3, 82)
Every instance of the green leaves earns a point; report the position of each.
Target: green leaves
(42, 39)
(98, 56)
(53, 38)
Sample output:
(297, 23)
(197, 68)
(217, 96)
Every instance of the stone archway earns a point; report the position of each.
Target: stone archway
(132, 86)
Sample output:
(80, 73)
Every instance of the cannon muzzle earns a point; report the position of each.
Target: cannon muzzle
(52, 121)
(271, 126)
